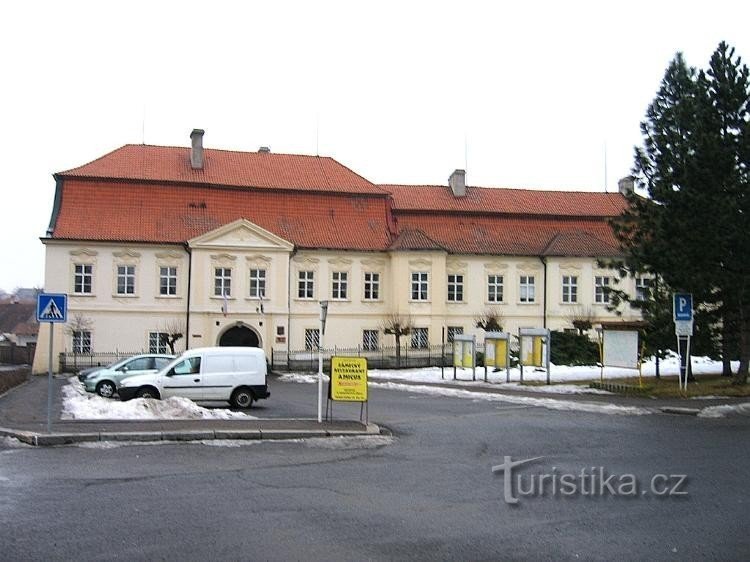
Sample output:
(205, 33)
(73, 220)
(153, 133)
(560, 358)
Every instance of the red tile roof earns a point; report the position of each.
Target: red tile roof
(414, 240)
(167, 164)
(505, 201)
(141, 212)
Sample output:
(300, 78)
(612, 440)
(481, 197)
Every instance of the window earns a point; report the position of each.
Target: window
(312, 339)
(167, 281)
(372, 286)
(454, 331)
(455, 288)
(339, 286)
(569, 288)
(157, 342)
(527, 290)
(222, 281)
(419, 286)
(82, 279)
(257, 283)
(495, 288)
(601, 292)
(125, 279)
(419, 338)
(81, 341)
(306, 284)
(370, 340)
(189, 366)
(642, 285)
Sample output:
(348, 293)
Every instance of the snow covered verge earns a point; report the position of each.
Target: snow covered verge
(81, 405)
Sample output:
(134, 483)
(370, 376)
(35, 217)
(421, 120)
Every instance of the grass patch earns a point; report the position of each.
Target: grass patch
(704, 385)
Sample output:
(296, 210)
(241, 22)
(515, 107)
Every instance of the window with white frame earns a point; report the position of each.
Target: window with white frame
(257, 283)
(312, 339)
(81, 341)
(372, 286)
(642, 285)
(419, 286)
(125, 279)
(370, 340)
(167, 281)
(569, 288)
(83, 277)
(157, 342)
(455, 288)
(601, 289)
(222, 281)
(419, 338)
(526, 289)
(339, 285)
(305, 284)
(495, 288)
(454, 331)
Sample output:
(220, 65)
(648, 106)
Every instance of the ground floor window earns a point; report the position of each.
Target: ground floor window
(81, 341)
(157, 342)
(454, 331)
(312, 339)
(370, 340)
(419, 338)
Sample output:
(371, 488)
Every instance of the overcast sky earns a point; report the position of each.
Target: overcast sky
(522, 94)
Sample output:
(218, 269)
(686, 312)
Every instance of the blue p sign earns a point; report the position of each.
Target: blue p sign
(683, 307)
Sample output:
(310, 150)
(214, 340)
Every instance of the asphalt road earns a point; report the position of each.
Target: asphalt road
(427, 493)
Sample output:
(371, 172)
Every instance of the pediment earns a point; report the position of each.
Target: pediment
(241, 235)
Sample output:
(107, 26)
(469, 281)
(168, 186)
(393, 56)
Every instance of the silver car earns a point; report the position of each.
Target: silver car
(105, 380)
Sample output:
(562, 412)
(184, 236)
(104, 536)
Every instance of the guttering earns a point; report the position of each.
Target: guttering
(289, 303)
(544, 292)
(187, 310)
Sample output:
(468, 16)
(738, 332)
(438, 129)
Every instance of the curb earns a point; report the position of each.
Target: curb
(56, 439)
(679, 410)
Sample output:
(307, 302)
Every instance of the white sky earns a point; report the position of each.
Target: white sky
(524, 94)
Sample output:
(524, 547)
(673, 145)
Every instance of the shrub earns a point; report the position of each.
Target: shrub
(569, 348)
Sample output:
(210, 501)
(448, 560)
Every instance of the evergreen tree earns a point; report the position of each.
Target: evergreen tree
(693, 229)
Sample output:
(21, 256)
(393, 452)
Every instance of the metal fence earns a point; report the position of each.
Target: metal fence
(73, 362)
(382, 358)
(13, 354)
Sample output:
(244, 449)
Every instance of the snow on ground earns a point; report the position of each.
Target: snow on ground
(81, 405)
(549, 403)
(724, 410)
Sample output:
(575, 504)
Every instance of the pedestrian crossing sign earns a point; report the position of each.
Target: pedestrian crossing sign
(52, 307)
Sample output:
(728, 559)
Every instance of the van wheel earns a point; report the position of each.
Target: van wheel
(147, 392)
(105, 389)
(242, 398)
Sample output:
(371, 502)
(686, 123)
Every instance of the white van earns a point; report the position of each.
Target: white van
(235, 374)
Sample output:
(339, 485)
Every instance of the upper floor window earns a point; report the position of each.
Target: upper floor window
(372, 286)
(455, 288)
(257, 283)
(495, 288)
(419, 286)
(419, 338)
(339, 285)
(223, 281)
(601, 289)
(370, 340)
(312, 339)
(527, 289)
(642, 285)
(81, 341)
(157, 342)
(83, 278)
(167, 281)
(125, 279)
(569, 288)
(306, 284)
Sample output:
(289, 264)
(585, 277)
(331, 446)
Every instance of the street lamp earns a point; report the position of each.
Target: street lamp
(323, 314)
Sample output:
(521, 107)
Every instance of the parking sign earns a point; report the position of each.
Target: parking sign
(682, 307)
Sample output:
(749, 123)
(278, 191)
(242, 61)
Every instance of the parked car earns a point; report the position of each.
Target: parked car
(233, 374)
(104, 380)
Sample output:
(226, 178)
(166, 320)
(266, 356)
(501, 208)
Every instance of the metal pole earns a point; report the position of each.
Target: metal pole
(49, 380)
(320, 373)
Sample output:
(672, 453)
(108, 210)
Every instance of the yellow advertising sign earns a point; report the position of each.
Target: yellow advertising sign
(495, 353)
(349, 379)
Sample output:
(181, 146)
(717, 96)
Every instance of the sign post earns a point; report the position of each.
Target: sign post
(52, 308)
(323, 315)
(682, 311)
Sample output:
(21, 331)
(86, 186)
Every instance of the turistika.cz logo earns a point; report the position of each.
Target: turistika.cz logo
(590, 481)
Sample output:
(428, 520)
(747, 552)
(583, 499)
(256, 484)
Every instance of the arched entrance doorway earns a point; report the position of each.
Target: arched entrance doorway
(240, 336)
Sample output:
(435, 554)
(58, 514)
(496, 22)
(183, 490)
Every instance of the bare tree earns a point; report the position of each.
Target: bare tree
(491, 320)
(173, 331)
(582, 319)
(398, 326)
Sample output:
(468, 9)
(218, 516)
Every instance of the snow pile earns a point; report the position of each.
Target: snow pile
(302, 378)
(724, 410)
(81, 405)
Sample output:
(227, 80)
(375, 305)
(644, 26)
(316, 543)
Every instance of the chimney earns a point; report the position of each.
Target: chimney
(457, 183)
(196, 153)
(626, 186)
(264, 149)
